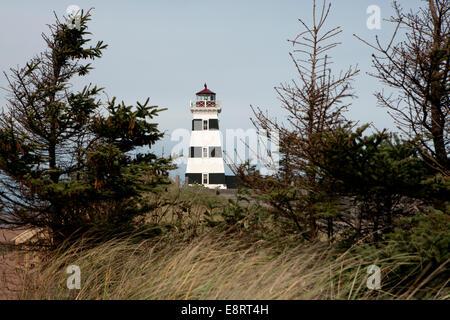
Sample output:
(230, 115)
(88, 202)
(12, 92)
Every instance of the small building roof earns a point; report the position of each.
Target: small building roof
(205, 91)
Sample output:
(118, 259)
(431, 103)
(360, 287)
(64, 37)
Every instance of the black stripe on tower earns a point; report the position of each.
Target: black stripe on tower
(214, 178)
(192, 178)
(217, 178)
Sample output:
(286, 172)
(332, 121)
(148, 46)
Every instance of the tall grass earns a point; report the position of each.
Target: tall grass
(220, 265)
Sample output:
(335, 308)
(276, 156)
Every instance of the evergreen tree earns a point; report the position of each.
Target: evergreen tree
(315, 102)
(378, 171)
(418, 68)
(68, 162)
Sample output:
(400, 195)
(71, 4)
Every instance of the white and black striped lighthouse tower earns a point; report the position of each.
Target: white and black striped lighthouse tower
(205, 163)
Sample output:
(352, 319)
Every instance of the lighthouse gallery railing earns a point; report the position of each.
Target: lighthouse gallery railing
(203, 104)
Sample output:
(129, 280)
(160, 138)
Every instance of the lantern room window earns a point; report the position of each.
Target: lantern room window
(205, 98)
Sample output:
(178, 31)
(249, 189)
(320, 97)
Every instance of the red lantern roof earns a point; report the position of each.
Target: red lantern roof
(205, 91)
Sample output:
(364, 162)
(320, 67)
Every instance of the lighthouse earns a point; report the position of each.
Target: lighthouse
(205, 162)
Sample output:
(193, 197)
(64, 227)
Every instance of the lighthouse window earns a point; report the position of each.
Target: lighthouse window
(215, 152)
(205, 124)
(197, 124)
(192, 178)
(213, 124)
(195, 152)
(205, 152)
(205, 178)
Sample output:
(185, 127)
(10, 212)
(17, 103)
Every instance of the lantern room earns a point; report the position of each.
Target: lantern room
(206, 94)
(205, 101)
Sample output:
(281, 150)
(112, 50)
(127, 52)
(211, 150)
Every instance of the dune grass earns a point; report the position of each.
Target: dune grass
(214, 249)
(220, 265)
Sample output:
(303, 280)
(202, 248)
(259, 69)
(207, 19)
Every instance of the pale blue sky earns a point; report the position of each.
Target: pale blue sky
(167, 49)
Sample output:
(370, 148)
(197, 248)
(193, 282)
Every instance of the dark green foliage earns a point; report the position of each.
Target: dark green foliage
(378, 171)
(374, 164)
(127, 129)
(66, 163)
(424, 241)
(425, 235)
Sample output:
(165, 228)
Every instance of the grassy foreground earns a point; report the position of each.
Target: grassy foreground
(224, 266)
(206, 248)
